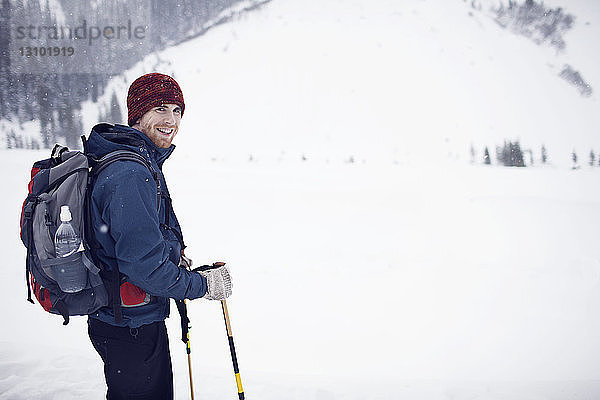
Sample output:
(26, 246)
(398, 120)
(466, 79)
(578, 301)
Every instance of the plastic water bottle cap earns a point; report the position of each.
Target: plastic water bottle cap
(65, 214)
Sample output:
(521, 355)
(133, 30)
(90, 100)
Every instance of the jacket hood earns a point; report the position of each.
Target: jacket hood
(105, 138)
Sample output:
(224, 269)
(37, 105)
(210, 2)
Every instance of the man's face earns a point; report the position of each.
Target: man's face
(160, 124)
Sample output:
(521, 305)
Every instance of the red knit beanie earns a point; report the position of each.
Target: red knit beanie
(152, 90)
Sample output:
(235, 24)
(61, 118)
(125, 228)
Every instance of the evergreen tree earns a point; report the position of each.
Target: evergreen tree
(115, 110)
(500, 154)
(4, 55)
(574, 158)
(45, 117)
(592, 158)
(544, 155)
(510, 155)
(93, 89)
(19, 142)
(9, 139)
(486, 156)
(516, 155)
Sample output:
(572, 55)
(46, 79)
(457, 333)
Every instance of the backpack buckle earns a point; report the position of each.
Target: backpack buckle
(29, 206)
(57, 152)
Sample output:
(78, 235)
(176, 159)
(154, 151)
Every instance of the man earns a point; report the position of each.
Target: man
(139, 236)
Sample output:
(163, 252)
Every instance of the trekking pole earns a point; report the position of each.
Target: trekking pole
(189, 357)
(236, 369)
(185, 337)
(185, 322)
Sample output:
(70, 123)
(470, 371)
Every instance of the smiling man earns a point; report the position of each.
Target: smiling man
(140, 243)
(160, 124)
(155, 105)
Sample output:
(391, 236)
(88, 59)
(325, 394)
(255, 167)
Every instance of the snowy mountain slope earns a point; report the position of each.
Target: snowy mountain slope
(388, 81)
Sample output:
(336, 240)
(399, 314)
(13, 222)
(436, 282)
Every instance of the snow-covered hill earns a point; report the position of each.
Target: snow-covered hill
(408, 81)
(427, 278)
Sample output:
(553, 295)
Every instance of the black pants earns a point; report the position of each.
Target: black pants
(137, 362)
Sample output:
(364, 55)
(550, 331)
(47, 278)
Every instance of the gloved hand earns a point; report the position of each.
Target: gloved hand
(218, 281)
(185, 262)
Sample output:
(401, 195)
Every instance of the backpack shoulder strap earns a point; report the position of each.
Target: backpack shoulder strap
(126, 155)
(97, 165)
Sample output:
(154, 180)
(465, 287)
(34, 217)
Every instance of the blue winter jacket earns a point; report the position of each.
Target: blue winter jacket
(132, 231)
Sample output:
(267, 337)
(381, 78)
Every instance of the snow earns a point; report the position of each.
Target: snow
(407, 274)
(354, 281)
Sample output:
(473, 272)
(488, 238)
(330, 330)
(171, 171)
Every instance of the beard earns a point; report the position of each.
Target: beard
(160, 139)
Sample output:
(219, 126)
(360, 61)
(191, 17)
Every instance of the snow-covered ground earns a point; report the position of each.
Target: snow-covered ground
(409, 274)
(356, 282)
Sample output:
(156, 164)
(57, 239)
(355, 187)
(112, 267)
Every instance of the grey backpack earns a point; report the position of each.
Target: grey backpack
(65, 179)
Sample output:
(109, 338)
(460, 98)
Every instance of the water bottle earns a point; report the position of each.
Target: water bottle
(71, 276)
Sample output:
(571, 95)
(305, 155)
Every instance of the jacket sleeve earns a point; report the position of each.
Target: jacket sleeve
(140, 249)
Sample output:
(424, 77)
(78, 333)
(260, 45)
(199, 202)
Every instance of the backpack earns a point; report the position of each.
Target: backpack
(66, 178)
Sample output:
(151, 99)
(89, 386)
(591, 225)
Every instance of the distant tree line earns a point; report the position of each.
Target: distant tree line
(510, 154)
(54, 98)
(593, 159)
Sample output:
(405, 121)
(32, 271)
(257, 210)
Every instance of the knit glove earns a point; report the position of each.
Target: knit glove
(218, 281)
